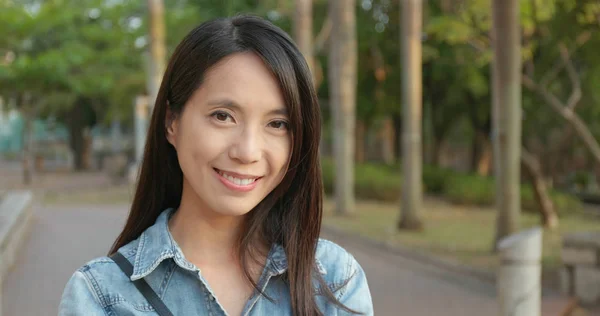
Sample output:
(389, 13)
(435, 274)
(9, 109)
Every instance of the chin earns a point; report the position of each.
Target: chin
(235, 209)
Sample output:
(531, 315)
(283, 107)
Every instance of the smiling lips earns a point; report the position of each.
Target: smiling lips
(237, 182)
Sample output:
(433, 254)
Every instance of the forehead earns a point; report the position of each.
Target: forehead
(245, 79)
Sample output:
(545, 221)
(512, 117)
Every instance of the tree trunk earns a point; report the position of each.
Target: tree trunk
(387, 140)
(77, 143)
(303, 31)
(321, 39)
(533, 170)
(27, 159)
(560, 148)
(428, 139)
(428, 116)
(446, 5)
(282, 5)
(437, 149)
(412, 104)
(506, 114)
(439, 131)
(157, 47)
(397, 121)
(359, 153)
(342, 83)
(86, 154)
(485, 160)
(481, 155)
(80, 112)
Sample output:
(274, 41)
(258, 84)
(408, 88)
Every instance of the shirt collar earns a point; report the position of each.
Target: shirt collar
(277, 261)
(157, 244)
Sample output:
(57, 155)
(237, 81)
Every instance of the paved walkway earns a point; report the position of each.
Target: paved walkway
(64, 238)
(61, 240)
(11, 178)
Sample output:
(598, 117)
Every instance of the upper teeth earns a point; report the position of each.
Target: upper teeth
(237, 180)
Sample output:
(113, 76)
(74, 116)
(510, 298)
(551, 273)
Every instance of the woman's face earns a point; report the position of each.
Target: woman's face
(232, 138)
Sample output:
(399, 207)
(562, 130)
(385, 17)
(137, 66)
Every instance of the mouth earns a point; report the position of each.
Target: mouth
(236, 181)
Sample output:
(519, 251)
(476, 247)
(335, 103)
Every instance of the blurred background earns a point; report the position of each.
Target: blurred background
(448, 126)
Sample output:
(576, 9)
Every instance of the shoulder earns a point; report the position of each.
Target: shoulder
(329, 252)
(105, 267)
(345, 277)
(99, 282)
(336, 263)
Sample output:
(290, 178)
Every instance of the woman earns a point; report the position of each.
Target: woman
(227, 212)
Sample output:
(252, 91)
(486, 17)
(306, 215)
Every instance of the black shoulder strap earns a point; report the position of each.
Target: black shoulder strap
(141, 285)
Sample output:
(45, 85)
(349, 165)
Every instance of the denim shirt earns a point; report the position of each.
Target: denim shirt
(101, 288)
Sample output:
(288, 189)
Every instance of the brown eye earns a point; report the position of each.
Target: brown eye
(283, 125)
(221, 116)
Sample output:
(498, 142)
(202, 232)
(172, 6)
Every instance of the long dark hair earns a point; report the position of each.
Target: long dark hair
(291, 214)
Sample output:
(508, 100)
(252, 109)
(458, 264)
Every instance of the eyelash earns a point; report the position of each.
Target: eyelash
(216, 113)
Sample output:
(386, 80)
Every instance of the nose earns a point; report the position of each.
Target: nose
(247, 148)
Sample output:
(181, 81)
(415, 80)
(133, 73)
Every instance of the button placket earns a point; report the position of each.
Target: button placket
(256, 296)
(214, 307)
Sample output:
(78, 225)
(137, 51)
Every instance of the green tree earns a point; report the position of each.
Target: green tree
(75, 64)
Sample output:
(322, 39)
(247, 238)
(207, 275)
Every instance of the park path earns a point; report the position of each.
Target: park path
(65, 237)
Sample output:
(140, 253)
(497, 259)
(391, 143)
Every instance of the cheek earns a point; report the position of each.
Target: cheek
(200, 144)
(280, 154)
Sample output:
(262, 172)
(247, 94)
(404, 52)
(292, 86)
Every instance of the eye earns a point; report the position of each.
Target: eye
(222, 116)
(280, 124)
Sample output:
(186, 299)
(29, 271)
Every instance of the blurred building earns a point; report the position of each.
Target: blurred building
(51, 147)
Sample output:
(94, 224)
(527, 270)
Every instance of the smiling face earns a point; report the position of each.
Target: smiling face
(232, 137)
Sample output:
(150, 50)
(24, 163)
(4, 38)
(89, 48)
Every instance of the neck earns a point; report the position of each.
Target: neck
(205, 237)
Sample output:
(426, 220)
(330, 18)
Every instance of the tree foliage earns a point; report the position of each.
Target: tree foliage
(64, 53)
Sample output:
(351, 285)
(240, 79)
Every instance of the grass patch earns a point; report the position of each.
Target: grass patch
(381, 182)
(462, 233)
(371, 181)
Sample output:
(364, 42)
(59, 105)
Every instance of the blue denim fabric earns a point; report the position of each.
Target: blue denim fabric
(101, 288)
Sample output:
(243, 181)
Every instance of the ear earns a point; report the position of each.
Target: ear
(171, 126)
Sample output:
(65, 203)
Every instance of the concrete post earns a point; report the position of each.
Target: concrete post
(141, 129)
(116, 137)
(519, 276)
(141, 125)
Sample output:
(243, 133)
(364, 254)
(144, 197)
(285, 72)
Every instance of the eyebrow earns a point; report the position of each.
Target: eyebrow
(235, 106)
